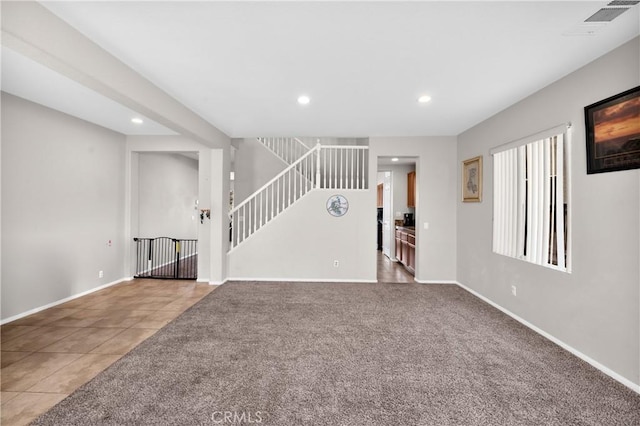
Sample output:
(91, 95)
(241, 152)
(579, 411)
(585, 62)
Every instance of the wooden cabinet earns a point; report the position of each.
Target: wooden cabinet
(411, 189)
(411, 253)
(406, 247)
(380, 194)
(399, 245)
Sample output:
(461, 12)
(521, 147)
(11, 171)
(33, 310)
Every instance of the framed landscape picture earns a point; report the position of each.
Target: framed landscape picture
(472, 180)
(613, 133)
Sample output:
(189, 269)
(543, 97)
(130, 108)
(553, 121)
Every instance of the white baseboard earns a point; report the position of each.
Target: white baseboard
(61, 301)
(304, 280)
(436, 282)
(628, 383)
(217, 282)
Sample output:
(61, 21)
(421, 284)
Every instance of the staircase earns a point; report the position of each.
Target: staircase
(320, 167)
(287, 149)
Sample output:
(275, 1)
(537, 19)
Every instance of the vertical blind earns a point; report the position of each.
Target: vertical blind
(529, 202)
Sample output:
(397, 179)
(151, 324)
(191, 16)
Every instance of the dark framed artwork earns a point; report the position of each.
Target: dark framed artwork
(613, 133)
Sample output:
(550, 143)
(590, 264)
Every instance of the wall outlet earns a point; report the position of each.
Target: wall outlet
(100, 274)
(336, 263)
(514, 290)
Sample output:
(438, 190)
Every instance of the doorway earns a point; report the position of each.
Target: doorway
(166, 226)
(397, 195)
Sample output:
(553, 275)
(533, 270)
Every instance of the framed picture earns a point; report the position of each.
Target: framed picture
(337, 205)
(472, 180)
(613, 133)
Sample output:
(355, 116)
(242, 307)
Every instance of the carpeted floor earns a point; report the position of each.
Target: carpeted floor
(347, 354)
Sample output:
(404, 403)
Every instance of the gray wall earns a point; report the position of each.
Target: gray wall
(168, 190)
(254, 166)
(595, 309)
(62, 202)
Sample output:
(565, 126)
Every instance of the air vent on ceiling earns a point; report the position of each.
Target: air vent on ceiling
(602, 18)
(606, 14)
(624, 3)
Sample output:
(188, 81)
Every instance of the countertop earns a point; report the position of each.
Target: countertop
(409, 229)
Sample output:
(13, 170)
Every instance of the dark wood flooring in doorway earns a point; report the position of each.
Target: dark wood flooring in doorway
(392, 272)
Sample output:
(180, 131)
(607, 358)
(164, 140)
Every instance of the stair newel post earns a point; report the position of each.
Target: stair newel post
(318, 148)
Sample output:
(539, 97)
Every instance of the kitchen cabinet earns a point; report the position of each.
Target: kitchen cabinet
(399, 245)
(411, 253)
(406, 247)
(380, 194)
(411, 189)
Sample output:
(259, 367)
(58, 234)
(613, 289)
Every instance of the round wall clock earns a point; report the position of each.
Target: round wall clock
(337, 205)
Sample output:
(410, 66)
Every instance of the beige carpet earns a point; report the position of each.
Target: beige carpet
(347, 354)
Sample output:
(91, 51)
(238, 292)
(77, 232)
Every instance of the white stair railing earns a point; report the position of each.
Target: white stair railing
(343, 167)
(330, 167)
(288, 149)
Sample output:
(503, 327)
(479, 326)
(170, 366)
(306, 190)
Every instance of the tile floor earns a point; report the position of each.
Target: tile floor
(392, 272)
(46, 356)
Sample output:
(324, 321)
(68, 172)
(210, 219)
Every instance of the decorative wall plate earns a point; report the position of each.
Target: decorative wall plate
(337, 205)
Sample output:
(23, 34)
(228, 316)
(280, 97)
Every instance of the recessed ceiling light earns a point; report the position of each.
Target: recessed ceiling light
(394, 159)
(137, 120)
(304, 100)
(424, 99)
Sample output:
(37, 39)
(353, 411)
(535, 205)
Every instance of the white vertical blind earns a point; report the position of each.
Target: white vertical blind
(560, 213)
(529, 201)
(505, 206)
(521, 200)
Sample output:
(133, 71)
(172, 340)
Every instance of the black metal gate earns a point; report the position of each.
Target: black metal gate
(167, 258)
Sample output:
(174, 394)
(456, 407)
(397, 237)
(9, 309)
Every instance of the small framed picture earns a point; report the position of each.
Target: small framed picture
(613, 133)
(472, 180)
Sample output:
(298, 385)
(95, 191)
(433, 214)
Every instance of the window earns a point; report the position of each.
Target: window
(530, 200)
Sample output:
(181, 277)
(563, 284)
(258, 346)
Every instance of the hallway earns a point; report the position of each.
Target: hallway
(392, 272)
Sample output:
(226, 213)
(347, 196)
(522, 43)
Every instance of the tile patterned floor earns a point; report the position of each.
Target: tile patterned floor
(47, 355)
(392, 272)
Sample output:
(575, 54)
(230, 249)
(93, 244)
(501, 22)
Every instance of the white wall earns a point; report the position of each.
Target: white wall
(595, 309)
(303, 242)
(435, 197)
(168, 190)
(62, 202)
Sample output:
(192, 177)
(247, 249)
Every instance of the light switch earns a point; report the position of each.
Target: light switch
(426, 225)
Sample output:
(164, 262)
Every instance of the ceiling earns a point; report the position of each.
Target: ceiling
(242, 65)
(396, 161)
(30, 80)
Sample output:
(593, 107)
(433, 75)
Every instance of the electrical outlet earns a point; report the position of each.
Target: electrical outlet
(513, 290)
(100, 274)
(336, 263)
